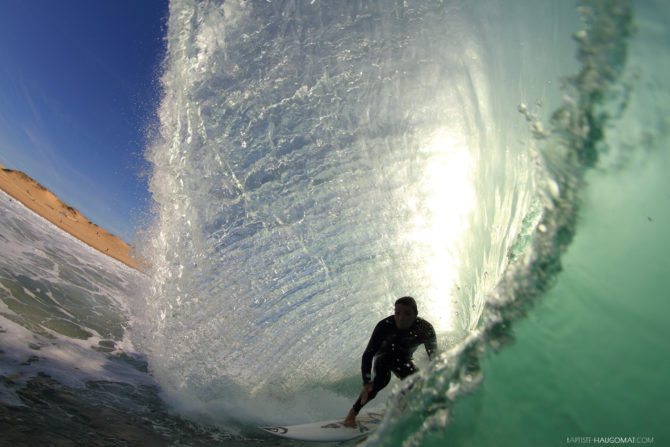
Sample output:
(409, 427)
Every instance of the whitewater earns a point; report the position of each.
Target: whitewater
(502, 162)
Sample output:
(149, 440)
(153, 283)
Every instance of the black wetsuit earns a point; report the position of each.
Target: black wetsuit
(392, 349)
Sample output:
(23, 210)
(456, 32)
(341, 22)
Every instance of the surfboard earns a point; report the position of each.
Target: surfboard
(326, 431)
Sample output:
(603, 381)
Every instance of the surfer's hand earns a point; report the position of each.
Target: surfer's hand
(364, 394)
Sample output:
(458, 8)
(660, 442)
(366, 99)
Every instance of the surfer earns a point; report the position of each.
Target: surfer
(391, 346)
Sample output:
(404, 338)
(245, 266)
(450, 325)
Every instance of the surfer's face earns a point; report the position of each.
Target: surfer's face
(404, 317)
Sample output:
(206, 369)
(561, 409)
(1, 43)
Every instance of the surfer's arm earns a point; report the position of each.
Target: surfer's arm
(373, 347)
(431, 342)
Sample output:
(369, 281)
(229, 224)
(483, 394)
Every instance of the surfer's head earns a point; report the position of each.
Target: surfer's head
(405, 312)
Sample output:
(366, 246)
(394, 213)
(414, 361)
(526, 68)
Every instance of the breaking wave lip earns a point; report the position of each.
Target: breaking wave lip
(567, 150)
(209, 152)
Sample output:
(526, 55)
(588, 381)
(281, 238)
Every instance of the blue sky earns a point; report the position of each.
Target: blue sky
(79, 88)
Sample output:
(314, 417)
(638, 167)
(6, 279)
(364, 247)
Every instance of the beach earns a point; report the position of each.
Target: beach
(46, 204)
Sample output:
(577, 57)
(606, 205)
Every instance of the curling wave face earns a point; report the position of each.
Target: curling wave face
(315, 162)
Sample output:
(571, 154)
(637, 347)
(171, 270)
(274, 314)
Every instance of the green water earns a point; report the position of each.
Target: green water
(592, 360)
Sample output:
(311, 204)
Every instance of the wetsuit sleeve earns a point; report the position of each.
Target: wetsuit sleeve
(431, 341)
(373, 347)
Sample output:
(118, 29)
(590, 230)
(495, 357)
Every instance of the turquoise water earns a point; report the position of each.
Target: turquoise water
(591, 360)
(313, 163)
(589, 363)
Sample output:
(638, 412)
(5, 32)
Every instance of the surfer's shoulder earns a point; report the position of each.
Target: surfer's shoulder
(386, 324)
(388, 321)
(424, 325)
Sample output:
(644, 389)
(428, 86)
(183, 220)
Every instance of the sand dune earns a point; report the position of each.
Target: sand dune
(45, 203)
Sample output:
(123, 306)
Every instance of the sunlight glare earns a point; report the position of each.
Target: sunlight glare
(446, 198)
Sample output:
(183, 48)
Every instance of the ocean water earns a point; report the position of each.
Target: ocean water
(503, 162)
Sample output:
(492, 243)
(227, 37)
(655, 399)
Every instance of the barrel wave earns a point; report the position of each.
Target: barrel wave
(315, 163)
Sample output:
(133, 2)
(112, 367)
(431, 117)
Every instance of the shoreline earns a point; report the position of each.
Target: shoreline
(46, 204)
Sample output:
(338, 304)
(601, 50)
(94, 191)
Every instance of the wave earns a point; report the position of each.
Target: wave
(315, 162)
(566, 150)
